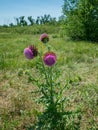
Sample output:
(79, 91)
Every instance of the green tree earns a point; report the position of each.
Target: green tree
(89, 15)
(17, 21)
(52, 21)
(62, 19)
(22, 21)
(82, 19)
(38, 20)
(69, 6)
(46, 18)
(31, 20)
(11, 24)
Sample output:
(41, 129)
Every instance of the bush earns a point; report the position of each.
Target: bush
(82, 19)
(75, 28)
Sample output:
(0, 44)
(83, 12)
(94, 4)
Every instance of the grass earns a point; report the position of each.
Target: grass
(78, 62)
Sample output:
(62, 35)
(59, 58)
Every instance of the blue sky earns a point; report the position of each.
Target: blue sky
(10, 9)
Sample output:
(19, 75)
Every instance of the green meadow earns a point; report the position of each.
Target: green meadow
(77, 61)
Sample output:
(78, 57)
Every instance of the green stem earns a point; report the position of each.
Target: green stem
(44, 70)
(51, 85)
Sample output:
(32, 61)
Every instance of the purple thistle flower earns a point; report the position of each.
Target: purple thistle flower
(44, 38)
(49, 58)
(30, 52)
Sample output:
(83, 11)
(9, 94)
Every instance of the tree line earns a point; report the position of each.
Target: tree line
(40, 20)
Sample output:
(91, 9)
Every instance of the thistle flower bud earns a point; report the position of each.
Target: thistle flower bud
(44, 38)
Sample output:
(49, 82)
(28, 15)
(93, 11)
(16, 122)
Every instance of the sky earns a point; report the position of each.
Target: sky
(10, 9)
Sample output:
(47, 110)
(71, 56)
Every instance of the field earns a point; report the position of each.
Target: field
(78, 62)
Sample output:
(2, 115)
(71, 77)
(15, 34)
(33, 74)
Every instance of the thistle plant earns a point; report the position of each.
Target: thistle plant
(49, 87)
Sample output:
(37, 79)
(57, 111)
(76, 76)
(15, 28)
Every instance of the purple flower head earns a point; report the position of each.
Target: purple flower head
(49, 58)
(30, 52)
(44, 38)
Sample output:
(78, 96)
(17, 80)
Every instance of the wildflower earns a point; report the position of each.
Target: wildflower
(30, 52)
(49, 58)
(44, 38)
